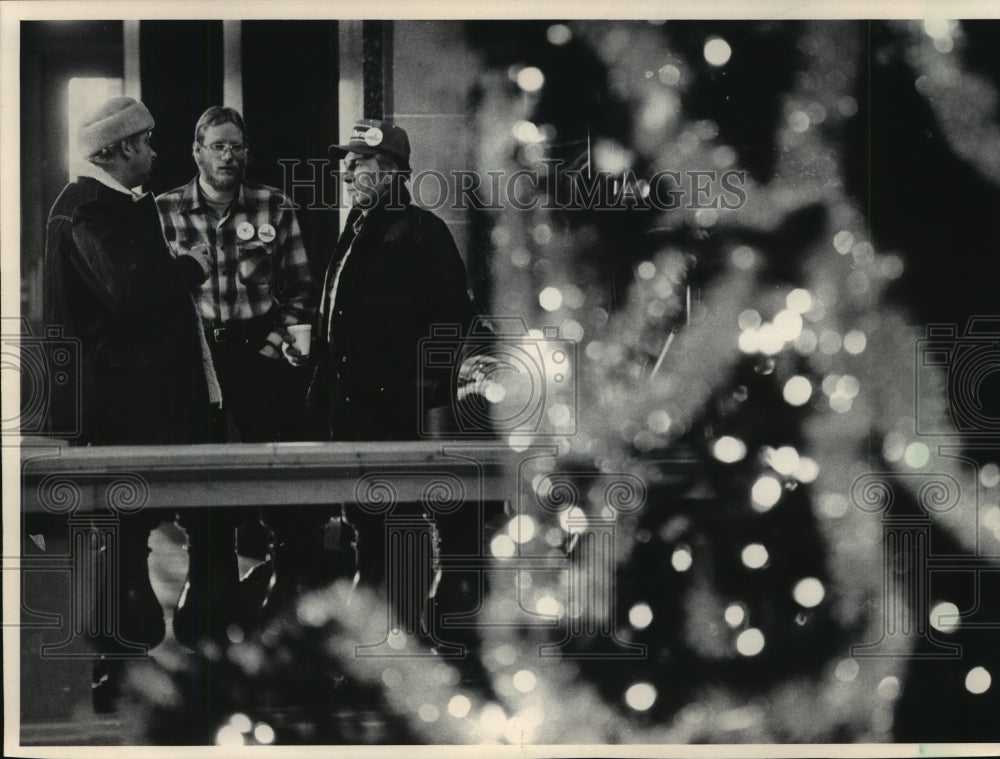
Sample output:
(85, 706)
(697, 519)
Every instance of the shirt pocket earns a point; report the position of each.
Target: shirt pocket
(255, 266)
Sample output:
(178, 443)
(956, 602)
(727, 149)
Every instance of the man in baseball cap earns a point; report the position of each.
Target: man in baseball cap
(377, 137)
(394, 275)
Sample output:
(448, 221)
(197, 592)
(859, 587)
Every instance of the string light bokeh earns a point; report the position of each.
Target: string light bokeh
(762, 340)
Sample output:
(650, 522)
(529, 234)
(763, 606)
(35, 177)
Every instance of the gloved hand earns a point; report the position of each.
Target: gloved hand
(199, 253)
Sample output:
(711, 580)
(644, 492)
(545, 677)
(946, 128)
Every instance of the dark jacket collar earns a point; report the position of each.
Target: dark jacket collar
(397, 200)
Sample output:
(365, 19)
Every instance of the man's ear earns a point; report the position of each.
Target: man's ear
(126, 148)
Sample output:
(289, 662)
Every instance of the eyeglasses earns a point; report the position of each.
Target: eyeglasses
(218, 148)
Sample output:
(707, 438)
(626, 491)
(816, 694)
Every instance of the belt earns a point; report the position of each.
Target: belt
(251, 330)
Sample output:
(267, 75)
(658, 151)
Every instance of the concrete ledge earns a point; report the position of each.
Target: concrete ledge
(62, 480)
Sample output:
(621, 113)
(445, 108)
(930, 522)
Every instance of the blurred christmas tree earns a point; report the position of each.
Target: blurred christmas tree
(830, 185)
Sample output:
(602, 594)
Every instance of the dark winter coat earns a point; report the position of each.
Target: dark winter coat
(113, 286)
(403, 277)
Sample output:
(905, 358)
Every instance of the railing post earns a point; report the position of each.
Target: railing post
(94, 609)
(409, 551)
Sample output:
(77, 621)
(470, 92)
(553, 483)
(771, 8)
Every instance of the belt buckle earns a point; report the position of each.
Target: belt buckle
(219, 334)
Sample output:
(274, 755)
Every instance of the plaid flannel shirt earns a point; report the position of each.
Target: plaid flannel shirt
(252, 275)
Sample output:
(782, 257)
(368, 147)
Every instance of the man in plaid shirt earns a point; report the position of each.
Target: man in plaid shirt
(259, 284)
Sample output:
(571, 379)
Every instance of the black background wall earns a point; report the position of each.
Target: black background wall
(53, 52)
(290, 78)
(181, 68)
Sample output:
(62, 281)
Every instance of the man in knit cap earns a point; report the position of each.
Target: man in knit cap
(114, 285)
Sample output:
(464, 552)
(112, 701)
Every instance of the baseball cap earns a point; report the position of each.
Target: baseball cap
(373, 136)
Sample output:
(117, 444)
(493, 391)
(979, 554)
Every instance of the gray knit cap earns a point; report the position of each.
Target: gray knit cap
(113, 120)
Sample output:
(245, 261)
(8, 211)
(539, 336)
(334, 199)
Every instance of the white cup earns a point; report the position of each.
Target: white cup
(302, 334)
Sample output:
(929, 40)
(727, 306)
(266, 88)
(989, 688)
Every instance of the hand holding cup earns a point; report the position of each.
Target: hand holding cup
(296, 343)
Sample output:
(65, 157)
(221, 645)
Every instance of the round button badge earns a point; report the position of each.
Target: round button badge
(373, 137)
(244, 230)
(266, 233)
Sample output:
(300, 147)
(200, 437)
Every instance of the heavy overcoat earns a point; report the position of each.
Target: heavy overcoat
(117, 292)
